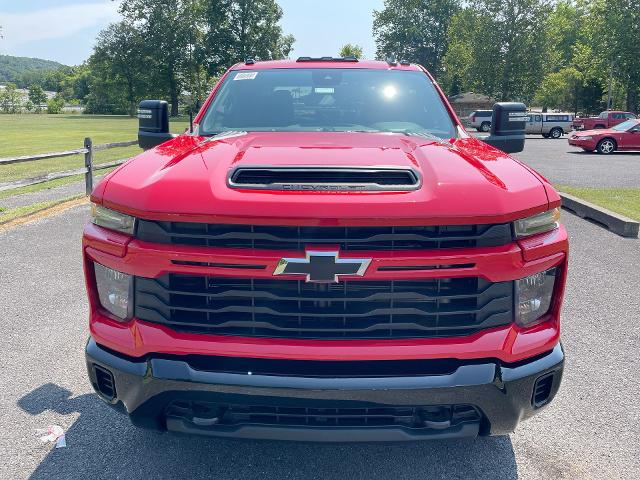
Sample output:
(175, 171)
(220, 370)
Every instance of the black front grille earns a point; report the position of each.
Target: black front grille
(432, 417)
(346, 238)
(351, 309)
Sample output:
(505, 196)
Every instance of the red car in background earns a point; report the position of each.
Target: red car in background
(624, 136)
(606, 119)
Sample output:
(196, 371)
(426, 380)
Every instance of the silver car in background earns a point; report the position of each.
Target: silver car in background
(481, 120)
(549, 125)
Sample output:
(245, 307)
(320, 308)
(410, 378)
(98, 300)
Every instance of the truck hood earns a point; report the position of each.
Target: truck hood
(463, 181)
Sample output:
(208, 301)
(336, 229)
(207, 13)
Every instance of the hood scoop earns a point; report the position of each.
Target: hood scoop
(325, 178)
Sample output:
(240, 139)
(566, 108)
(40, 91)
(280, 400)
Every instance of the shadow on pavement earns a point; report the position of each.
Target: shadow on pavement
(102, 443)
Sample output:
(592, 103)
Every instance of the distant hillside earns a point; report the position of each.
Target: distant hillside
(19, 69)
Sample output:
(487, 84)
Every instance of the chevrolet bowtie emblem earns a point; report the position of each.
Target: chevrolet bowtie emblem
(322, 267)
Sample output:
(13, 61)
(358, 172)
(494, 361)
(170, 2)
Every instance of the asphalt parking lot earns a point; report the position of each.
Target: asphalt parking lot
(592, 430)
(563, 164)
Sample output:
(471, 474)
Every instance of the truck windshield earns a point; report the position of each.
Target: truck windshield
(328, 100)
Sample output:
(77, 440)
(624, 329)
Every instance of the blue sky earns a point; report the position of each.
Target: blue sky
(65, 30)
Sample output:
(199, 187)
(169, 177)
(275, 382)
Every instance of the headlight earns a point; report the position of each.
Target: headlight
(114, 290)
(543, 222)
(111, 219)
(533, 296)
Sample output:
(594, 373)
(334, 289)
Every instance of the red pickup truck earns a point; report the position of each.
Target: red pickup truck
(606, 119)
(326, 255)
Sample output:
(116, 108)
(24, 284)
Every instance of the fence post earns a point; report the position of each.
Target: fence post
(88, 163)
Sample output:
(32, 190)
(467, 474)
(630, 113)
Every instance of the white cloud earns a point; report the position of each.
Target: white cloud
(52, 23)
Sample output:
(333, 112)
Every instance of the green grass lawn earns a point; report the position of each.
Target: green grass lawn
(29, 134)
(9, 214)
(625, 201)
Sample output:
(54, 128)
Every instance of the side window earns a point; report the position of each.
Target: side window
(618, 116)
(604, 115)
(630, 115)
(538, 118)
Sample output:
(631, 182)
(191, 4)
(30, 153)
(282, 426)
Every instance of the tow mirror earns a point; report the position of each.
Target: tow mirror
(153, 123)
(507, 126)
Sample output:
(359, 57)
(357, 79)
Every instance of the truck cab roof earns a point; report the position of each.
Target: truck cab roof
(325, 62)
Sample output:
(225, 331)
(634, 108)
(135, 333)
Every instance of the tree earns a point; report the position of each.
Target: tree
(235, 30)
(55, 105)
(592, 45)
(414, 30)
(120, 54)
(562, 31)
(76, 84)
(500, 41)
(51, 79)
(571, 78)
(165, 27)
(37, 97)
(10, 99)
(174, 49)
(457, 63)
(351, 50)
(560, 90)
(613, 28)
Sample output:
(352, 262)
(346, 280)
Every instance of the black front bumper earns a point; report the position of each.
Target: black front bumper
(149, 390)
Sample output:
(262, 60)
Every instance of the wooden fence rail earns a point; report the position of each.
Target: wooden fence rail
(88, 169)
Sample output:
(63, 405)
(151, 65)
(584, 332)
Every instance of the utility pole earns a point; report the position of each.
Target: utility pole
(610, 84)
(610, 93)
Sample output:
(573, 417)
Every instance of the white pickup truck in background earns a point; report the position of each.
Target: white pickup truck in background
(549, 125)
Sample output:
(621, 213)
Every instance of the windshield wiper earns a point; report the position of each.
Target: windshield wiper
(360, 131)
(428, 135)
(221, 135)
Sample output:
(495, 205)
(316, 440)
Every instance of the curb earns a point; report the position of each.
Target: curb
(614, 222)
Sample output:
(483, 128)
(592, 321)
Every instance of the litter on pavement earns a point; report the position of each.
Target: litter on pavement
(53, 433)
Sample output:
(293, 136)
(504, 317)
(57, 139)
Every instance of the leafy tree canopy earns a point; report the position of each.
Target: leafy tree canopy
(414, 30)
(351, 50)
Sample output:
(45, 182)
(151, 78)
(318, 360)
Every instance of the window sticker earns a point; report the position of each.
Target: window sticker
(246, 76)
(519, 117)
(324, 90)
